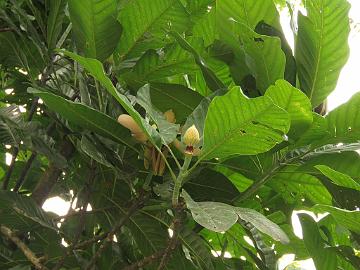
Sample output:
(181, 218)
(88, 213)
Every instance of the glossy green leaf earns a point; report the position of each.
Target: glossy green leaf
(96, 29)
(156, 17)
(178, 98)
(338, 178)
(294, 102)
(236, 125)
(215, 216)
(263, 224)
(209, 185)
(348, 219)
(344, 122)
(264, 58)
(321, 47)
(86, 117)
(324, 257)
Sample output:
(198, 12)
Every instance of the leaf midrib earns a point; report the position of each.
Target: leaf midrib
(312, 89)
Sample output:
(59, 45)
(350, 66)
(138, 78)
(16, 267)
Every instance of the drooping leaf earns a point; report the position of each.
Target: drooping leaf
(86, 117)
(236, 125)
(294, 102)
(346, 218)
(324, 257)
(96, 29)
(264, 58)
(215, 216)
(262, 224)
(338, 178)
(322, 47)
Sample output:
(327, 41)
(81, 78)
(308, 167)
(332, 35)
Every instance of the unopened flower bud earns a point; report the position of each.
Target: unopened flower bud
(128, 122)
(170, 116)
(191, 136)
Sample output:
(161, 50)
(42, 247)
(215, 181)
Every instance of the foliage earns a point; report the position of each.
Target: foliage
(220, 69)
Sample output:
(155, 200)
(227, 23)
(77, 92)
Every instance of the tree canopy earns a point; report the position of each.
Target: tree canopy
(181, 132)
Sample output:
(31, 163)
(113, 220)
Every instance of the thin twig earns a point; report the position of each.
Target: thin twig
(7, 29)
(145, 261)
(10, 169)
(24, 172)
(174, 240)
(77, 213)
(109, 237)
(82, 220)
(93, 240)
(24, 248)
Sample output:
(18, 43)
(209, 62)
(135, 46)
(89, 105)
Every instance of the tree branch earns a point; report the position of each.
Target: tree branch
(173, 242)
(145, 261)
(24, 248)
(51, 175)
(82, 220)
(24, 172)
(137, 204)
(10, 169)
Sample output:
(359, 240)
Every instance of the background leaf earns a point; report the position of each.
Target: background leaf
(321, 47)
(97, 31)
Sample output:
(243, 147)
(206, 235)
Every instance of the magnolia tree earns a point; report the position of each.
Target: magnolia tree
(184, 133)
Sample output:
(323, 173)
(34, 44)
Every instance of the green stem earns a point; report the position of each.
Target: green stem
(179, 180)
(99, 94)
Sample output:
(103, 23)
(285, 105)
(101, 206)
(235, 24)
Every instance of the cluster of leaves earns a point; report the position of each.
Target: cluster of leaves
(221, 65)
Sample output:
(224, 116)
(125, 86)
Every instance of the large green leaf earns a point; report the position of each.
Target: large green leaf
(215, 216)
(96, 29)
(22, 211)
(322, 47)
(237, 125)
(324, 257)
(344, 122)
(263, 56)
(338, 178)
(96, 69)
(346, 218)
(211, 79)
(209, 185)
(248, 12)
(144, 20)
(86, 117)
(341, 125)
(293, 185)
(178, 98)
(55, 20)
(263, 224)
(236, 22)
(294, 102)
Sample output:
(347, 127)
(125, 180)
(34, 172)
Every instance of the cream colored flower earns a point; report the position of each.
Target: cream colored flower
(191, 136)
